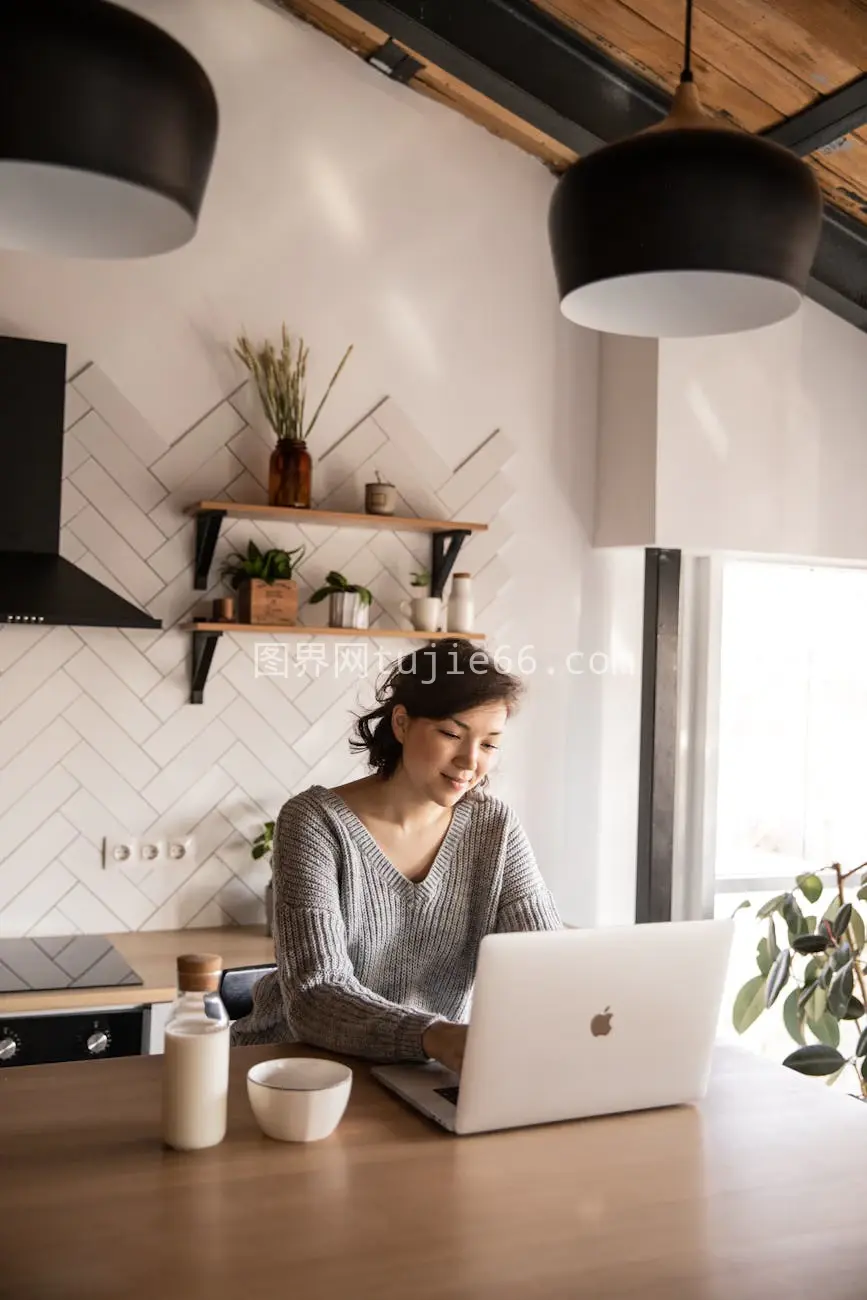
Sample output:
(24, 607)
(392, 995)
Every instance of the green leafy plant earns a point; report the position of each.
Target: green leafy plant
(821, 964)
(420, 579)
(264, 842)
(281, 380)
(270, 566)
(334, 583)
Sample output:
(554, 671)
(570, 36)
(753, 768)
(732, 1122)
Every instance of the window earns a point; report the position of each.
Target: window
(791, 729)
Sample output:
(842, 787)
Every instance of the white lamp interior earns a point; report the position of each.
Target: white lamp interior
(63, 211)
(680, 304)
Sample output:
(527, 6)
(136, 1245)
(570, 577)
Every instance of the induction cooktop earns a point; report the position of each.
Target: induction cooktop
(81, 961)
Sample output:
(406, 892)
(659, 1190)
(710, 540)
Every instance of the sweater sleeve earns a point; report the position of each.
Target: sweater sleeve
(324, 1002)
(525, 902)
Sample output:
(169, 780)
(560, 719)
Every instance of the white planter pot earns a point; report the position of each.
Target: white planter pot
(346, 609)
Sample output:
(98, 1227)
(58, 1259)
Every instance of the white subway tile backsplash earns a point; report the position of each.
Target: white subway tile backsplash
(97, 736)
(35, 760)
(191, 762)
(96, 389)
(198, 446)
(42, 661)
(36, 900)
(104, 775)
(48, 837)
(114, 505)
(115, 457)
(95, 677)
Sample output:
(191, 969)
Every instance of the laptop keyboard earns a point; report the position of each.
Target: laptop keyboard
(450, 1094)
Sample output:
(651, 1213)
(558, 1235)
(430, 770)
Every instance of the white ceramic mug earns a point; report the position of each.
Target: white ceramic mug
(424, 612)
(298, 1098)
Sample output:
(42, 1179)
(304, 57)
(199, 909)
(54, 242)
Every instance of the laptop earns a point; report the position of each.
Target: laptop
(567, 1024)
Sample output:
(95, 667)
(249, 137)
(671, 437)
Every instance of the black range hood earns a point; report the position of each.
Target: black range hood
(36, 584)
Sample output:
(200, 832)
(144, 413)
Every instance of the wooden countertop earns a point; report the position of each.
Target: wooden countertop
(757, 1193)
(153, 955)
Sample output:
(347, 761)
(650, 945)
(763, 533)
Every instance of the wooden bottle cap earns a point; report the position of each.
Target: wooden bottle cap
(199, 972)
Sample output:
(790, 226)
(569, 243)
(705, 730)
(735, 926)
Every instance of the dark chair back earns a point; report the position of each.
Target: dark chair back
(236, 988)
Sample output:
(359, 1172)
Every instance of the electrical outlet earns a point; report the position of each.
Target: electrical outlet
(120, 852)
(181, 850)
(149, 851)
(152, 851)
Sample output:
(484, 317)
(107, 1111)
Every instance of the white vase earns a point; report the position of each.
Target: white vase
(460, 615)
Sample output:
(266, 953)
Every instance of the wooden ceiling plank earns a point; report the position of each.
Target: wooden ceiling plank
(629, 37)
(435, 84)
(841, 25)
(726, 49)
(784, 40)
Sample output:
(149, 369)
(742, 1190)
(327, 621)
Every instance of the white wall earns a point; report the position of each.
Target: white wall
(356, 211)
(752, 442)
(763, 440)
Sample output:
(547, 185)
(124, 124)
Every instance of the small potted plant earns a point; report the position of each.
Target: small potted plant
(380, 498)
(263, 845)
(281, 381)
(424, 610)
(349, 604)
(267, 593)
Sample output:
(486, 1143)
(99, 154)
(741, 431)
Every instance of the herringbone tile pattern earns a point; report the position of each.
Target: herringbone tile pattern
(97, 736)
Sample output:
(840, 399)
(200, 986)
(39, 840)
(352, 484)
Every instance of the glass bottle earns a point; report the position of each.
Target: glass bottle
(289, 474)
(196, 1059)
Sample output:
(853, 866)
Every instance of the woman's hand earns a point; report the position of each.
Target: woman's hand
(446, 1042)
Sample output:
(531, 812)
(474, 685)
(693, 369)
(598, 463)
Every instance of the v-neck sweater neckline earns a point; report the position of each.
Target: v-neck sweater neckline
(370, 848)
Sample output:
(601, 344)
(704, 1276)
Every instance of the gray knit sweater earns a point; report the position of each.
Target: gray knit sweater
(367, 960)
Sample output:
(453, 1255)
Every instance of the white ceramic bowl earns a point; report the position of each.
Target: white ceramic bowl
(298, 1098)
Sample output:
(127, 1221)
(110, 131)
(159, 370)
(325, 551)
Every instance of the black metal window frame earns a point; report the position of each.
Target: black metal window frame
(658, 744)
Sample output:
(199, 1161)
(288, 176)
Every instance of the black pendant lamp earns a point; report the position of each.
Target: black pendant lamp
(107, 131)
(689, 228)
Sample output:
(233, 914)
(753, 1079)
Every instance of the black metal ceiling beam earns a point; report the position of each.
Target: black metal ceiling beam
(824, 121)
(532, 65)
(553, 79)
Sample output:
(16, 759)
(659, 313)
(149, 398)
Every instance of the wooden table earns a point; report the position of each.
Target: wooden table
(759, 1192)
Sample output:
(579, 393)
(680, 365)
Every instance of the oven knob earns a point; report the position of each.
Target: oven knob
(97, 1043)
(8, 1048)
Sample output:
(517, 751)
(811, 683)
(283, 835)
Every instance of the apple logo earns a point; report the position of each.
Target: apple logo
(600, 1025)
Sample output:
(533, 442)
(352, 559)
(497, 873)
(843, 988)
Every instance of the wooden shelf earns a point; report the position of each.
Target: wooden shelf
(447, 537)
(334, 518)
(350, 633)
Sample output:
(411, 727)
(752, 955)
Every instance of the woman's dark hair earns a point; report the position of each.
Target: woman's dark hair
(441, 679)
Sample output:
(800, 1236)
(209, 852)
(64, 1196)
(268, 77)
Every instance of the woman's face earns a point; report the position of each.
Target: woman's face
(446, 757)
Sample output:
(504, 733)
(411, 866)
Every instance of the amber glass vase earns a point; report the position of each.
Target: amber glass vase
(289, 474)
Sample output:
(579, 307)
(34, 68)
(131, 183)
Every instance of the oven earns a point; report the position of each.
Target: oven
(90, 1033)
(43, 1037)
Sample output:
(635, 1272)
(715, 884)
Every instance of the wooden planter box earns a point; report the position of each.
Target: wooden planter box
(268, 602)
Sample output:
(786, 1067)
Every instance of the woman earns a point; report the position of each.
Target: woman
(385, 887)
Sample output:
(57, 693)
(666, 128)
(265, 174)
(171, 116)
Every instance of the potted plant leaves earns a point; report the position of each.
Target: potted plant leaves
(267, 593)
(348, 603)
(281, 381)
(817, 959)
(263, 845)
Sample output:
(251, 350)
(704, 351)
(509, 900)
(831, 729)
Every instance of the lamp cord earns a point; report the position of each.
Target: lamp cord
(686, 74)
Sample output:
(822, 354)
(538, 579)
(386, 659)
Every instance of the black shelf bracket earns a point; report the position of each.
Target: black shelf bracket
(208, 525)
(443, 558)
(204, 645)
